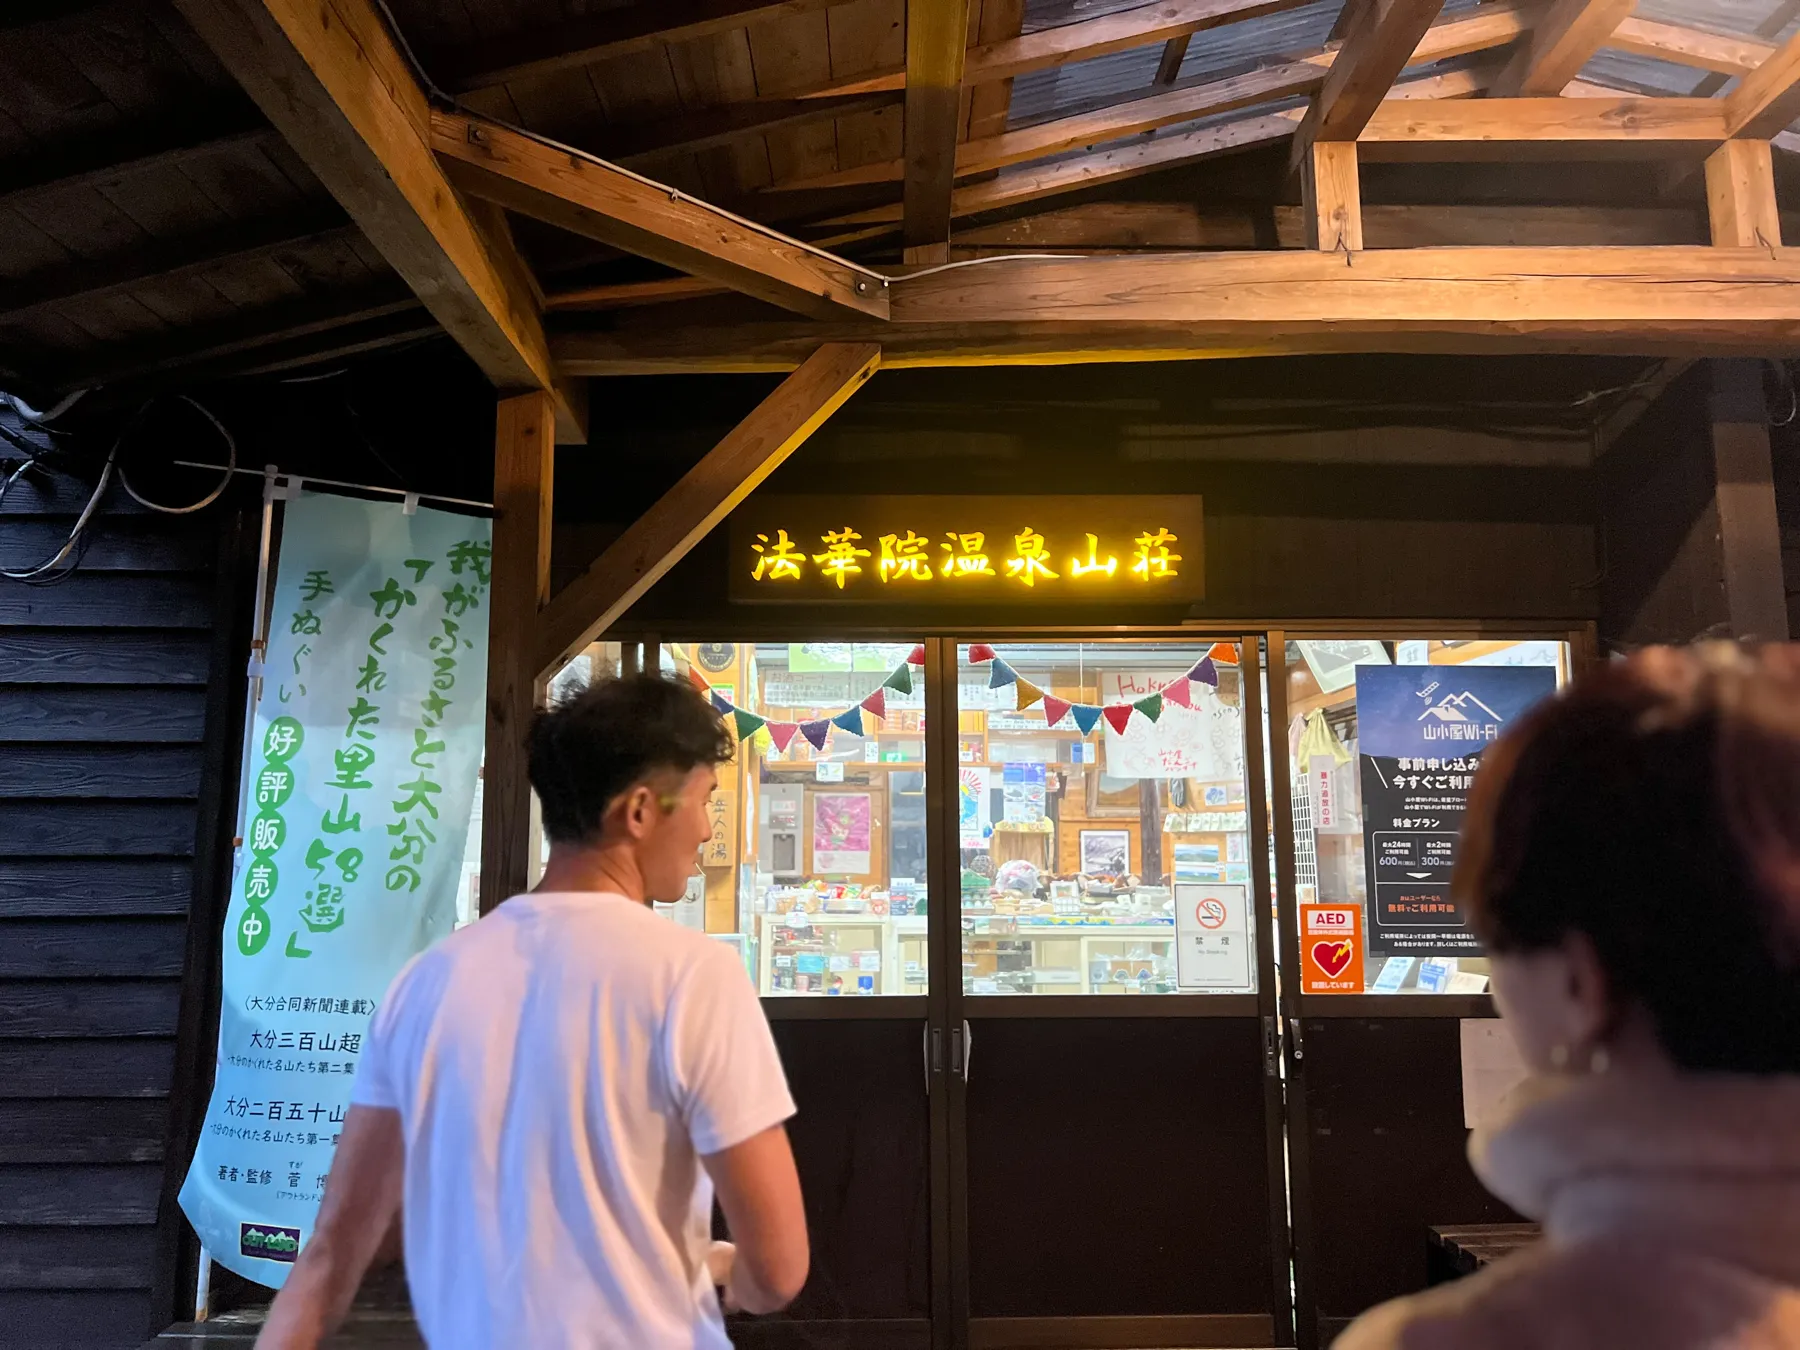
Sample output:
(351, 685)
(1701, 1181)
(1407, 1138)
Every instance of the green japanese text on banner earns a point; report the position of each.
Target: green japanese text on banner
(359, 780)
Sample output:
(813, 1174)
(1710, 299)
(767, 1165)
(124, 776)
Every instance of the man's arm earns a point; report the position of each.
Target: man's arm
(362, 1197)
(759, 1190)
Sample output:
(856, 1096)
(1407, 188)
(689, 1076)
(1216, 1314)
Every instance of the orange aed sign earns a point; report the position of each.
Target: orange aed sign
(1331, 949)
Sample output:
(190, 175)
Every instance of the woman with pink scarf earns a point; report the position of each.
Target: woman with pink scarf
(1632, 860)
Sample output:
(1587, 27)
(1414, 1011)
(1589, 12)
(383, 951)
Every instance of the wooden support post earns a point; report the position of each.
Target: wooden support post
(1740, 196)
(731, 470)
(936, 40)
(1749, 532)
(1333, 196)
(524, 436)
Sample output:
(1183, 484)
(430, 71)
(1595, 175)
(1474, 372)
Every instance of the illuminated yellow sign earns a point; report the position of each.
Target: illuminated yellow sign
(912, 548)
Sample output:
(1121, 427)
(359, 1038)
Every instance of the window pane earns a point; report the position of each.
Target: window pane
(1104, 826)
(1383, 741)
(816, 868)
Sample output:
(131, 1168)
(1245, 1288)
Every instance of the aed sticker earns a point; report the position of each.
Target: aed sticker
(1331, 949)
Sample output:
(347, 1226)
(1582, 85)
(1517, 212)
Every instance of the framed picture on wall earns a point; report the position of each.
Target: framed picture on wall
(1105, 853)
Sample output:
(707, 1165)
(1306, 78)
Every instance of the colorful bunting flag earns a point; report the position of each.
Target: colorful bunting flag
(1055, 709)
(1151, 707)
(722, 705)
(900, 681)
(1180, 694)
(1003, 675)
(782, 733)
(1087, 717)
(876, 703)
(1205, 672)
(816, 732)
(1226, 653)
(1117, 715)
(850, 720)
(979, 652)
(698, 680)
(748, 723)
(1029, 694)
(918, 656)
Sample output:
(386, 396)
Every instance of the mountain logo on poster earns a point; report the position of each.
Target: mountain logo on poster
(1457, 717)
(269, 1242)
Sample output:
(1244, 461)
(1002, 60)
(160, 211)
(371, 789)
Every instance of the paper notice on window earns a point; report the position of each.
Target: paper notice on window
(1491, 1068)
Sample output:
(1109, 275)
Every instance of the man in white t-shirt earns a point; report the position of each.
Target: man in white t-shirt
(552, 1095)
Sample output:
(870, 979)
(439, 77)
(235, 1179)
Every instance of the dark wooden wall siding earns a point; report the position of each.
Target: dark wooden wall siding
(103, 714)
(1784, 453)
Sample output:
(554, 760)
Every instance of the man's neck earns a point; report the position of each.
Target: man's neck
(601, 868)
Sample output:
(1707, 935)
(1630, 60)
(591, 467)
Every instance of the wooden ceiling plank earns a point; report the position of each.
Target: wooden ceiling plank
(167, 260)
(124, 154)
(1729, 56)
(598, 200)
(1740, 196)
(1561, 43)
(1364, 70)
(332, 80)
(1768, 98)
(605, 36)
(936, 41)
(704, 496)
(710, 128)
(1674, 300)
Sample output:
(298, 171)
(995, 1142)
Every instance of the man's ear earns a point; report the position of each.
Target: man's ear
(1590, 990)
(635, 806)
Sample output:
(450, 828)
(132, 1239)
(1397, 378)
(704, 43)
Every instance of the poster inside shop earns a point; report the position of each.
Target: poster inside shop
(843, 829)
(359, 779)
(1422, 731)
(1203, 742)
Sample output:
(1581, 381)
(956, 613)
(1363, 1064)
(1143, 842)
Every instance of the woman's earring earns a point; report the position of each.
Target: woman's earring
(1598, 1060)
(1559, 1056)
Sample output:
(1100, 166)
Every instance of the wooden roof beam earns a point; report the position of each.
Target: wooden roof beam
(704, 496)
(1673, 300)
(1490, 26)
(1510, 128)
(1561, 43)
(605, 36)
(1365, 69)
(1731, 56)
(331, 78)
(597, 200)
(1768, 98)
(936, 42)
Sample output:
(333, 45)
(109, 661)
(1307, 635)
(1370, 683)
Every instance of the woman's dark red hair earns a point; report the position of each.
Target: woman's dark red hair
(1655, 807)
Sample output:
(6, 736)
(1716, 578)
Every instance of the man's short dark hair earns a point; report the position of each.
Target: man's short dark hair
(1655, 808)
(596, 744)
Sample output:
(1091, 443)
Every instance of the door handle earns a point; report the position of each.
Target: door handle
(961, 1046)
(968, 1050)
(933, 1047)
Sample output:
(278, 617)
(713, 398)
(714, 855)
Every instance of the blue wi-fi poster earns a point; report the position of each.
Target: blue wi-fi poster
(1421, 732)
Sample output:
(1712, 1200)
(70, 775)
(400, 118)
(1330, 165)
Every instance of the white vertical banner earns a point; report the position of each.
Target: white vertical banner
(359, 779)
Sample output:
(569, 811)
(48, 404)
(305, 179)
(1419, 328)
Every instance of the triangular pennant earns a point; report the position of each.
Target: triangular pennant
(1151, 707)
(900, 681)
(1205, 672)
(1029, 694)
(698, 680)
(1224, 652)
(876, 703)
(1180, 694)
(722, 705)
(1055, 709)
(816, 732)
(850, 720)
(748, 723)
(782, 733)
(979, 652)
(1117, 715)
(1003, 675)
(1087, 717)
(918, 656)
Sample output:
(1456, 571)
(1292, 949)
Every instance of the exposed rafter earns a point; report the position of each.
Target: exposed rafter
(1768, 98)
(330, 77)
(598, 200)
(1561, 43)
(1512, 128)
(936, 40)
(1716, 52)
(1371, 59)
